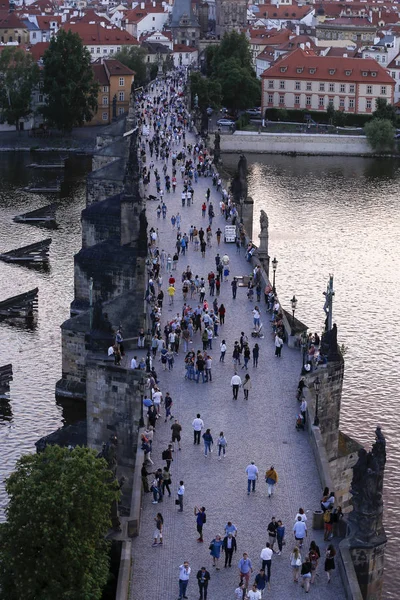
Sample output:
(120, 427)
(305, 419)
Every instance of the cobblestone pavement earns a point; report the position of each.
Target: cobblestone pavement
(260, 429)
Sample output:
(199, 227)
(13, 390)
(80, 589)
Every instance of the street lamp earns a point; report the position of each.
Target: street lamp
(274, 266)
(317, 385)
(294, 306)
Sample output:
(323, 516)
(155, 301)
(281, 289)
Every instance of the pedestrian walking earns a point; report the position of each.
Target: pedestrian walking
(168, 407)
(201, 518)
(314, 554)
(245, 569)
(306, 574)
(236, 382)
(166, 481)
(231, 528)
(215, 550)
(234, 287)
(300, 531)
(176, 429)
(266, 557)
(261, 581)
(256, 353)
(254, 593)
(240, 592)
(181, 493)
(222, 348)
(184, 574)
(222, 444)
(208, 442)
(280, 534)
(246, 386)
(167, 456)
(222, 312)
(271, 479)
(252, 476)
(203, 577)
(272, 527)
(295, 563)
(198, 426)
(278, 345)
(158, 532)
(329, 561)
(229, 546)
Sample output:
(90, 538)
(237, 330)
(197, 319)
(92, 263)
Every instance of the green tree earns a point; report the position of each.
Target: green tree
(52, 545)
(383, 110)
(380, 134)
(208, 91)
(133, 57)
(68, 82)
(19, 74)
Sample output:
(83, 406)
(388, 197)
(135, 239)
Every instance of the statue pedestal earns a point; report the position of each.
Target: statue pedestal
(291, 341)
(369, 562)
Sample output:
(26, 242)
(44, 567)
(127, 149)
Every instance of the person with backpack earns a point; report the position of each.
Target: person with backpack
(314, 554)
(271, 479)
(201, 519)
(328, 524)
(167, 456)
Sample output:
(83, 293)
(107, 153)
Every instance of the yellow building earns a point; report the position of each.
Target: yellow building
(12, 29)
(115, 81)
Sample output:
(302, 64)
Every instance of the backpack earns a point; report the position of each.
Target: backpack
(327, 516)
(165, 455)
(204, 517)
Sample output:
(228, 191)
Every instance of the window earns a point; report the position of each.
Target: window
(299, 69)
(332, 71)
(383, 90)
(281, 99)
(365, 73)
(187, 55)
(105, 50)
(91, 50)
(297, 99)
(369, 104)
(351, 103)
(373, 73)
(321, 101)
(383, 58)
(121, 81)
(369, 89)
(394, 74)
(399, 88)
(105, 100)
(283, 69)
(98, 50)
(308, 100)
(118, 48)
(40, 97)
(321, 87)
(271, 84)
(105, 88)
(312, 71)
(348, 73)
(104, 116)
(154, 18)
(297, 85)
(331, 87)
(121, 110)
(341, 103)
(121, 96)
(270, 98)
(111, 50)
(281, 85)
(308, 86)
(352, 88)
(342, 88)
(34, 35)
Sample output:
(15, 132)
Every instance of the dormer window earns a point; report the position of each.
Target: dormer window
(365, 73)
(348, 73)
(373, 73)
(283, 69)
(332, 71)
(299, 69)
(312, 71)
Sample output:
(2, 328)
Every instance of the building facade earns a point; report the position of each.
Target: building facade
(305, 81)
(231, 15)
(115, 82)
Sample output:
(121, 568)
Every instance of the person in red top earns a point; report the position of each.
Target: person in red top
(171, 280)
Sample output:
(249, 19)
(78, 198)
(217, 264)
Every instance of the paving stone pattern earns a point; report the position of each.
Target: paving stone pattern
(260, 429)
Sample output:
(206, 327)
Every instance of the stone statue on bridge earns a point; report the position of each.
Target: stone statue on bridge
(239, 182)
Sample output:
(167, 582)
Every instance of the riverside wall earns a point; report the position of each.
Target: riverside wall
(297, 143)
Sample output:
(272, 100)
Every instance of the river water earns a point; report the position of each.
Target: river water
(326, 215)
(35, 352)
(342, 216)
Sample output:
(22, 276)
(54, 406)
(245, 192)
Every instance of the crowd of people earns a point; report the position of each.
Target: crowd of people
(176, 164)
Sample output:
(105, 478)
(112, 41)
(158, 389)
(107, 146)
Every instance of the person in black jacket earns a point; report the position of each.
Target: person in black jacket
(203, 577)
(229, 547)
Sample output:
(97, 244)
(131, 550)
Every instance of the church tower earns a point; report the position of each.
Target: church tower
(184, 24)
(231, 15)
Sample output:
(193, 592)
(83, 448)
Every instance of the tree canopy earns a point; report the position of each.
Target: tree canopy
(380, 134)
(208, 91)
(68, 82)
(383, 110)
(230, 64)
(19, 76)
(133, 57)
(52, 545)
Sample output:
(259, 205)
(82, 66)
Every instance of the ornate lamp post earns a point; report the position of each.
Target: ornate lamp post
(274, 267)
(293, 302)
(317, 385)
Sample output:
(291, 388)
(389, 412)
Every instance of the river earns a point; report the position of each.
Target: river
(342, 216)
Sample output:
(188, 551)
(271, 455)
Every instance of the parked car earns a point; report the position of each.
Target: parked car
(225, 123)
(209, 111)
(254, 112)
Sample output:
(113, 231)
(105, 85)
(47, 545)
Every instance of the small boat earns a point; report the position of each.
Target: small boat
(33, 253)
(45, 216)
(23, 305)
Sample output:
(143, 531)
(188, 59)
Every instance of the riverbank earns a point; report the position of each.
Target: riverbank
(298, 144)
(80, 140)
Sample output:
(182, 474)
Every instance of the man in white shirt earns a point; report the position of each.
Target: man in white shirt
(198, 425)
(252, 476)
(134, 363)
(254, 593)
(184, 574)
(236, 382)
(266, 557)
(181, 493)
(278, 346)
(300, 530)
(157, 399)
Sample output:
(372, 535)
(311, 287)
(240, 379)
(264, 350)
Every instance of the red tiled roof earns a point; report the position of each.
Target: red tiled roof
(12, 21)
(100, 74)
(91, 16)
(328, 68)
(115, 67)
(37, 50)
(44, 22)
(96, 34)
(282, 12)
(336, 51)
(183, 48)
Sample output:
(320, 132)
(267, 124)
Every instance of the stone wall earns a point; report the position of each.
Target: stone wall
(113, 407)
(101, 221)
(274, 143)
(74, 353)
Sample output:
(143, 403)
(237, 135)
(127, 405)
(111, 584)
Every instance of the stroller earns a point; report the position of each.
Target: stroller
(300, 422)
(258, 332)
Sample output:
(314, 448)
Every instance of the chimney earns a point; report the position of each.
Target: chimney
(302, 46)
(297, 29)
